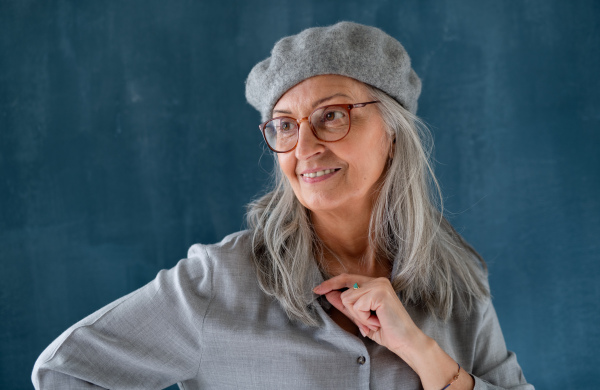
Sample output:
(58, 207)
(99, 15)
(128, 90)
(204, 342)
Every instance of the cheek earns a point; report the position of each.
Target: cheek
(377, 163)
(381, 152)
(287, 165)
(374, 167)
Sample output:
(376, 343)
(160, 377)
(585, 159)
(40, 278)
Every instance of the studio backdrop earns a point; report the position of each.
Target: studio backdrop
(125, 138)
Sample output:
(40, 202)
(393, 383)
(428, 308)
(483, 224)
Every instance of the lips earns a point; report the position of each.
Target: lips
(318, 173)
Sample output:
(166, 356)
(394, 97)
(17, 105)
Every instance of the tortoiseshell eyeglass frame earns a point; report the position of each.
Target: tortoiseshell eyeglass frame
(347, 107)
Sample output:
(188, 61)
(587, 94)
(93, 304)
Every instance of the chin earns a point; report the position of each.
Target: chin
(317, 205)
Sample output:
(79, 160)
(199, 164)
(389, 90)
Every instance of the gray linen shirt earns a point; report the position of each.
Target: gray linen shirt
(206, 324)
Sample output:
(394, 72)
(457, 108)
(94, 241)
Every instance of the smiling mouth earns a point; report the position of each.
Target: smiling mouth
(319, 173)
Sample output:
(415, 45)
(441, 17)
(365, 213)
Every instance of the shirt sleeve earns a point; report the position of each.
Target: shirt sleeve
(493, 363)
(149, 339)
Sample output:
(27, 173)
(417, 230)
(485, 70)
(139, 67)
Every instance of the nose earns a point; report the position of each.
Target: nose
(308, 144)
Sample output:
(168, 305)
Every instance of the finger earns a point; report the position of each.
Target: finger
(361, 305)
(334, 297)
(340, 281)
(372, 334)
(365, 331)
(367, 307)
(364, 319)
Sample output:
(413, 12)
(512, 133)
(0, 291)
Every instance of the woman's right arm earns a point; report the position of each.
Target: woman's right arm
(149, 339)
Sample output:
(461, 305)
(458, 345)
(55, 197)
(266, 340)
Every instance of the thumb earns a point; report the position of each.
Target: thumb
(335, 298)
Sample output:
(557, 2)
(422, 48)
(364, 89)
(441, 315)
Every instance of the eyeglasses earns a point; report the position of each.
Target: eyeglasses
(328, 124)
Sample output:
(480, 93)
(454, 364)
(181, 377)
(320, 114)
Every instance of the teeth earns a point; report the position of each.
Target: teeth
(319, 173)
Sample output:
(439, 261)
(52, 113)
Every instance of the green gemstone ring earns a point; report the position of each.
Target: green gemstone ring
(355, 286)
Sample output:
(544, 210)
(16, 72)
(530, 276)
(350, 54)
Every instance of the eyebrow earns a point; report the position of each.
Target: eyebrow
(315, 104)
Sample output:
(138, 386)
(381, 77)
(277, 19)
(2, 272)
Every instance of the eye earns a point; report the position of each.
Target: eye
(285, 126)
(333, 114)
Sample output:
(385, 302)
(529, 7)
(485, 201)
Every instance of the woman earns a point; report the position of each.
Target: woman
(348, 277)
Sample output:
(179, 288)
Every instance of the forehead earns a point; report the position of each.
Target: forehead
(325, 89)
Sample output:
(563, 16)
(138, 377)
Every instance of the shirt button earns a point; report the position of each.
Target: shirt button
(361, 360)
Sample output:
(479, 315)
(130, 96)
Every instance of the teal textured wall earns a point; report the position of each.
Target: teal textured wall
(125, 137)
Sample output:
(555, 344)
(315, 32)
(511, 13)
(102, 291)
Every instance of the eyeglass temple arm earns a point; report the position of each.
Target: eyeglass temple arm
(359, 105)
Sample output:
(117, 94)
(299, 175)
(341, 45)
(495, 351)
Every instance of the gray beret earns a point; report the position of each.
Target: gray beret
(361, 52)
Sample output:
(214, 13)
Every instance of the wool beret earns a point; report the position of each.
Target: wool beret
(361, 52)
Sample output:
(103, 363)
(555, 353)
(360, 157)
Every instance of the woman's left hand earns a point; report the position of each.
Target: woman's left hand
(375, 309)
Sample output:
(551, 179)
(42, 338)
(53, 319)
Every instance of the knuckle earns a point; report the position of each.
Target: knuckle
(345, 300)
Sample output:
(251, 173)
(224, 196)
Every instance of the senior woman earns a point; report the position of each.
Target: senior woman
(348, 277)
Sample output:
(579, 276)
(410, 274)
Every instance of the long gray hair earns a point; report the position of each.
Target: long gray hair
(433, 266)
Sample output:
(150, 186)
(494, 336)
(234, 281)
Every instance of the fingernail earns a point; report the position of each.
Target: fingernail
(362, 332)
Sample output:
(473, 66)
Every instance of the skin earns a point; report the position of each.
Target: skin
(341, 204)
(359, 158)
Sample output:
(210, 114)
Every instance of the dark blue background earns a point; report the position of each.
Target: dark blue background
(125, 137)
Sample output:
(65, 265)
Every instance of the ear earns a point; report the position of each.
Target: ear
(392, 148)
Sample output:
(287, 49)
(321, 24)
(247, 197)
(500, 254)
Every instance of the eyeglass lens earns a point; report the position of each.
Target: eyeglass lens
(329, 123)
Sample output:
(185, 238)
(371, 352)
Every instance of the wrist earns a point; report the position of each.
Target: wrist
(418, 351)
(434, 367)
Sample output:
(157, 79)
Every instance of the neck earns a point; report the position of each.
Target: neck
(346, 246)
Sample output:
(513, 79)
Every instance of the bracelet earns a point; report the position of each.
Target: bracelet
(453, 379)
